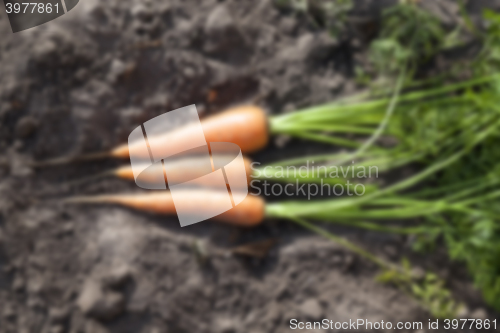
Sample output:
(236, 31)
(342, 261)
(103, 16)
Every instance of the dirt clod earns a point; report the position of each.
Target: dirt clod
(26, 126)
(117, 276)
(311, 308)
(96, 302)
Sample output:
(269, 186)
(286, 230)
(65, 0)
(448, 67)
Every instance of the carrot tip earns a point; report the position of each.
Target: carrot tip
(84, 200)
(68, 160)
(88, 179)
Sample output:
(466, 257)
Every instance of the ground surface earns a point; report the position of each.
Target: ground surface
(82, 83)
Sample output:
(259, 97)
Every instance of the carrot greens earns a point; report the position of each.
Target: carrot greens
(451, 132)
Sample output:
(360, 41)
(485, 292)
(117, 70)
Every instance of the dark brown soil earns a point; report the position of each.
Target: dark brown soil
(82, 83)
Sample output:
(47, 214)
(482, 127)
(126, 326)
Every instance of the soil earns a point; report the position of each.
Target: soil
(83, 82)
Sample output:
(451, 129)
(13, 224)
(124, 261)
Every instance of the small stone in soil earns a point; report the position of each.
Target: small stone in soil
(25, 127)
(391, 250)
(57, 329)
(225, 325)
(311, 309)
(9, 313)
(97, 303)
(117, 276)
(58, 315)
(349, 260)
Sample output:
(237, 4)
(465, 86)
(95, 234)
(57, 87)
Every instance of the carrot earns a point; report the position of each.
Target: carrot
(246, 126)
(250, 212)
(183, 170)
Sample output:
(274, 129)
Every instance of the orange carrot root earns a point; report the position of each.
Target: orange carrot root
(185, 170)
(250, 212)
(246, 126)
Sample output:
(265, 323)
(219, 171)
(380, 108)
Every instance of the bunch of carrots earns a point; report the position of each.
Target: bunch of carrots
(247, 126)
